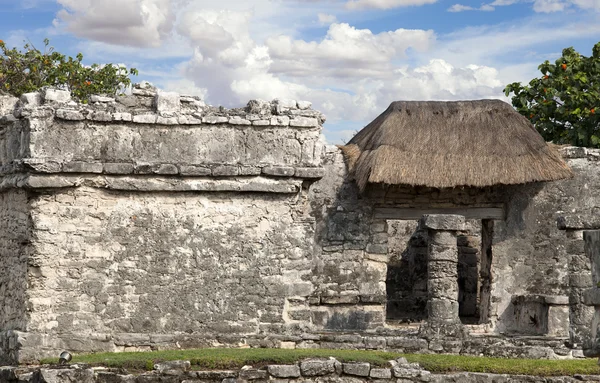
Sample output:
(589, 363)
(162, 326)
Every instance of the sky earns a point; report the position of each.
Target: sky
(350, 58)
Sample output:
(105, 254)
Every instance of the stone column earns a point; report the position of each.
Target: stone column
(442, 267)
(580, 278)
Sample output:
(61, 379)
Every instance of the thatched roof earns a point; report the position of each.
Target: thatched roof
(448, 144)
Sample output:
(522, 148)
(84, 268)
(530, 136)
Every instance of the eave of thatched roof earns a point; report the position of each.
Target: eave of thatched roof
(449, 144)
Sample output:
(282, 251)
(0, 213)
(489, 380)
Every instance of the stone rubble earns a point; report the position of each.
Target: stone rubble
(180, 372)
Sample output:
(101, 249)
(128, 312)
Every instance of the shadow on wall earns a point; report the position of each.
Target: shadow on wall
(518, 269)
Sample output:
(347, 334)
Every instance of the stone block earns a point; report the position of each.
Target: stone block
(443, 222)
(339, 299)
(381, 373)
(442, 310)
(101, 116)
(285, 104)
(284, 371)
(377, 248)
(161, 120)
(280, 121)
(279, 171)
(194, 170)
(69, 115)
(225, 171)
(258, 107)
(443, 288)
(407, 372)
(57, 95)
(253, 374)
(102, 99)
(168, 169)
(31, 99)
(261, 122)
(304, 122)
(303, 105)
(146, 118)
(118, 168)
(558, 321)
(174, 367)
(82, 167)
(214, 120)
(317, 367)
(167, 102)
(591, 297)
(50, 375)
(122, 116)
(250, 170)
(442, 254)
(237, 120)
(358, 369)
(309, 173)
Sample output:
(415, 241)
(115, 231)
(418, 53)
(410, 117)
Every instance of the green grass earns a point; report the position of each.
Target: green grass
(226, 358)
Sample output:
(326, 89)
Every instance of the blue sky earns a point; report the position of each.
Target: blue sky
(351, 58)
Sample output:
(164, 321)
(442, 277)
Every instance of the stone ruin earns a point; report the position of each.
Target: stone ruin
(153, 221)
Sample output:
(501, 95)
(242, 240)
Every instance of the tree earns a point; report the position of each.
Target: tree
(564, 103)
(32, 69)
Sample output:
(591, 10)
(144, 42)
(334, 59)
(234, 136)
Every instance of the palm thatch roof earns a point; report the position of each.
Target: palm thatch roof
(447, 144)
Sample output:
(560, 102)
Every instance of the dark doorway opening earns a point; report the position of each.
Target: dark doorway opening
(406, 281)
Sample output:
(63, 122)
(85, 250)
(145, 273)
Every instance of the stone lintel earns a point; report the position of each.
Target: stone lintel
(578, 222)
(443, 222)
(551, 300)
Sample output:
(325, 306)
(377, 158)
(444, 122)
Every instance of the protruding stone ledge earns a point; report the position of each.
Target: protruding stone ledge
(145, 183)
(51, 166)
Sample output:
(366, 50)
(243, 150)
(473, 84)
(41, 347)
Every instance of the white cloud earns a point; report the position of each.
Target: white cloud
(460, 8)
(326, 19)
(143, 23)
(539, 6)
(547, 6)
(235, 50)
(588, 4)
(385, 4)
(346, 51)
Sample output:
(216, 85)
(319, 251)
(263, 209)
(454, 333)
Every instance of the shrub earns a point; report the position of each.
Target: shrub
(31, 69)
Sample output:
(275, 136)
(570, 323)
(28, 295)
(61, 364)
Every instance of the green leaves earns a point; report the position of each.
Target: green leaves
(29, 70)
(562, 102)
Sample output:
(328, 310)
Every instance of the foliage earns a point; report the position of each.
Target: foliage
(31, 69)
(227, 358)
(564, 103)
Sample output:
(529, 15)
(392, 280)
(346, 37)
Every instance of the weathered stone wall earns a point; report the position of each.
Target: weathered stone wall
(155, 265)
(155, 221)
(309, 370)
(14, 239)
(532, 256)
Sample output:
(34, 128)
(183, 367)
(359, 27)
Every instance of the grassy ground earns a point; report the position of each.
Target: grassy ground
(236, 358)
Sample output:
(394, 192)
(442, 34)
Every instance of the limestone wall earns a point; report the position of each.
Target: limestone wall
(153, 221)
(14, 266)
(532, 255)
(156, 221)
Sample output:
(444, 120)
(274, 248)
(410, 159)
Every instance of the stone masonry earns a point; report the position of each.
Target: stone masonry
(442, 266)
(154, 221)
(308, 370)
